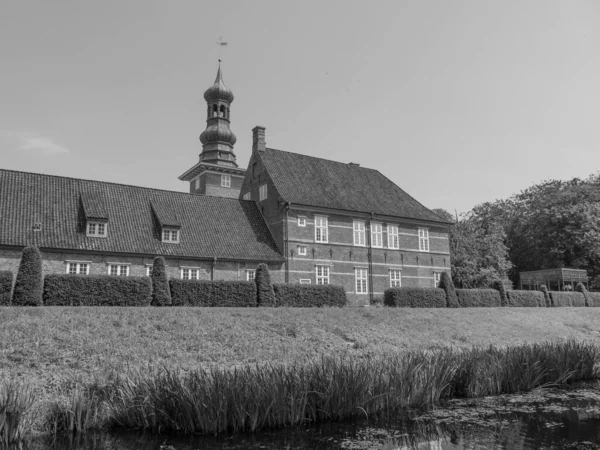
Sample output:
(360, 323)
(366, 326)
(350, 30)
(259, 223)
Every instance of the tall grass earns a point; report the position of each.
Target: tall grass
(331, 389)
(16, 412)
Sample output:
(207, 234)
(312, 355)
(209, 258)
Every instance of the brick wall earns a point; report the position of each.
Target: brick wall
(210, 184)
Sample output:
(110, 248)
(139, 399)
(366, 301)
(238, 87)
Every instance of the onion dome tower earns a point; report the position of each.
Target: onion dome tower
(217, 172)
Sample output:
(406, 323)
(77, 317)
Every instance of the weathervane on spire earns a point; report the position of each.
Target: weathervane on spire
(221, 43)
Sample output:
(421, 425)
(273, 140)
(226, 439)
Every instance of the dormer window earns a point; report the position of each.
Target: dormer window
(96, 229)
(170, 235)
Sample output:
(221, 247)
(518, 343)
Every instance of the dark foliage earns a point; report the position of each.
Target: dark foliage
(409, 297)
(595, 298)
(448, 286)
(468, 298)
(307, 295)
(567, 299)
(544, 290)
(29, 285)
(6, 278)
(499, 286)
(161, 295)
(588, 299)
(528, 299)
(96, 290)
(265, 296)
(213, 293)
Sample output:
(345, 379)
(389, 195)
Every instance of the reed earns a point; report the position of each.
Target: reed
(16, 412)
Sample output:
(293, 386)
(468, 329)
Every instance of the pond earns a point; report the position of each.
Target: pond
(542, 419)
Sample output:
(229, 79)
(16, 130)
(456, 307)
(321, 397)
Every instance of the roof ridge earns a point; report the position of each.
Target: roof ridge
(115, 184)
(318, 157)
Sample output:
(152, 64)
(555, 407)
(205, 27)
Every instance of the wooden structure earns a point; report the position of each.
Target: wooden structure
(554, 279)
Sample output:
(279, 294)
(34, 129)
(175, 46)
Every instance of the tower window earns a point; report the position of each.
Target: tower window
(225, 180)
(222, 111)
(215, 111)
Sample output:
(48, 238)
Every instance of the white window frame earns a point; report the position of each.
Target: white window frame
(393, 237)
(93, 229)
(321, 229)
(149, 270)
(423, 239)
(301, 221)
(225, 180)
(168, 238)
(395, 278)
(305, 281)
(190, 273)
(122, 270)
(437, 277)
(197, 182)
(250, 274)
(322, 274)
(247, 196)
(302, 250)
(359, 233)
(262, 192)
(361, 280)
(80, 267)
(376, 235)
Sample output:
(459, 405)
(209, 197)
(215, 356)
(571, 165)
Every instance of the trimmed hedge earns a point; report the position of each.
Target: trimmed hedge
(308, 295)
(29, 285)
(448, 286)
(567, 299)
(595, 298)
(265, 296)
(527, 299)
(213, 293)
(410, 297)
(499, 286)
(469, 298)
(588, 299)
(96, 290)
(161, 295)
(544, 291)
(6, 278)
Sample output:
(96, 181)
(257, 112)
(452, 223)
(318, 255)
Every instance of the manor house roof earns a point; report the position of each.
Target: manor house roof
(51, 212)
(306, 180)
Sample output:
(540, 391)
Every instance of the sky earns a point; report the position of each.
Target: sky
(458, 102)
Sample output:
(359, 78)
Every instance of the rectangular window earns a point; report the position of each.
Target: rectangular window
(395, 278)
(437, 276)
(250, 274)
(320, 229)
(305, 281)
(246, 196)
(322, 274)
(169, 235)
(376, 235)
(190, 274)
(262, 193)
(198, 183)
(118, 270)
(225, 180)
(301, 221)
(148, 271)
(423, 239)
(359, 233)
(302, 250)
(393, 241)
(76, 268)
(361, 280)
(96, 229)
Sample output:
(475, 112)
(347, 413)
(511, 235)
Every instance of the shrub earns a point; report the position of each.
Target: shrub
(594, 298)
(528, 299)
(448, 286)
(265, 296)
(499, 286)
(161, 295)
(567, 299)
(544, 291)
(307, 295)
(29, 285)
(213, 293)
(586, 295)
(6, 278)
(96, 290)
(409, 297)
(468, 298)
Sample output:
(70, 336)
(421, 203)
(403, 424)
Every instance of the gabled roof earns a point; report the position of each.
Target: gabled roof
(311, 181)
(210, 226)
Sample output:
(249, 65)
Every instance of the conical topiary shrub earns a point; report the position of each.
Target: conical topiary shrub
(265, 296)
(588, 298)
(447, 285)
(161, 295)
(29, 285)
(544, 290)
(499, 286)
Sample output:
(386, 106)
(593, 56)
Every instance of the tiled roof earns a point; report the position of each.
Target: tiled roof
(210, 226)
(307, 180)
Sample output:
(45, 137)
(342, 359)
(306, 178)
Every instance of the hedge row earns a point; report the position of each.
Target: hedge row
(6, 278)
(468, 298)
(409, 297)
(307, 295)
(213, 293)
(529, 299)
(96, 290)
(567, 299)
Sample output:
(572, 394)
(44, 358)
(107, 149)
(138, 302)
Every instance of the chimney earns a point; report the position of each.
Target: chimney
(258, 139)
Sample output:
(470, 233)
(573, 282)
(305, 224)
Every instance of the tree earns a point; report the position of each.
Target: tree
(29, 285)
(161, 294)
(265, 295)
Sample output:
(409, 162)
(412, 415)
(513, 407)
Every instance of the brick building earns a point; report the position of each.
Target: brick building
(311, 220)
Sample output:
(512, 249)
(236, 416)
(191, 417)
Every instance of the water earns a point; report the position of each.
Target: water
(543, 419)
